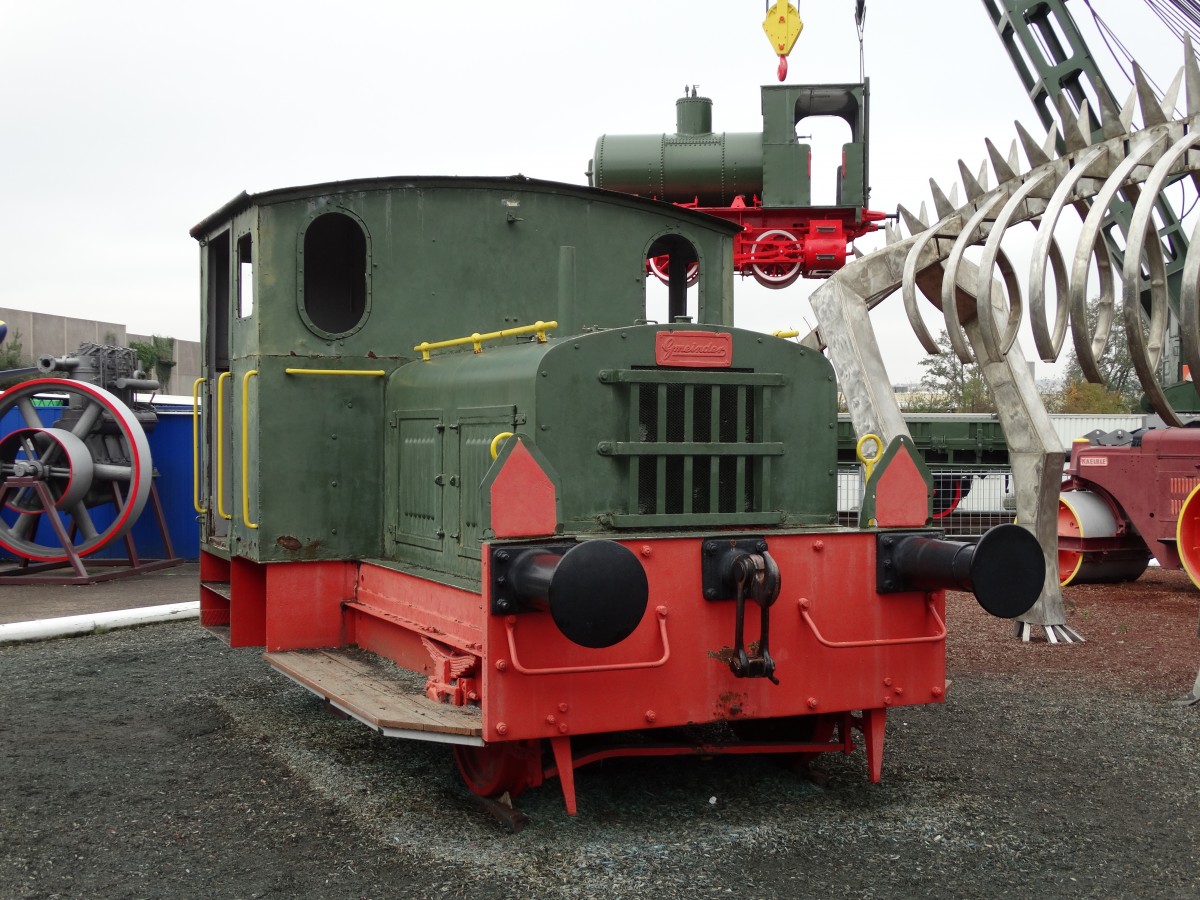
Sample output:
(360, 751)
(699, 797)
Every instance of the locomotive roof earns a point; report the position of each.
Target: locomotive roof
(245, 200)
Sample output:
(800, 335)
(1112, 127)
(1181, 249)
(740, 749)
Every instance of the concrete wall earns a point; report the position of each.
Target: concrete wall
(42, 334)
(187, 364)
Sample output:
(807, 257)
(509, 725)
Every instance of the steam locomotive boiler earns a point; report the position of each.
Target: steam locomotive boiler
(481, 500)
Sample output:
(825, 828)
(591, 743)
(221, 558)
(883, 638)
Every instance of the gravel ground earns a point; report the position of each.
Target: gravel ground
(156, 762)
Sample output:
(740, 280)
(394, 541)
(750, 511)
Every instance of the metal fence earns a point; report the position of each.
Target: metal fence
(966, 502)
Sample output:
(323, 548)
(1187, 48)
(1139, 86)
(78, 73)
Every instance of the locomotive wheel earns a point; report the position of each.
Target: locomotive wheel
(660, 268)
(778, 273)
(494, 769)
(62, 459)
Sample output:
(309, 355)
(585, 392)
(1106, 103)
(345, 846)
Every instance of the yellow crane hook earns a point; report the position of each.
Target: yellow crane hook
(782, 26)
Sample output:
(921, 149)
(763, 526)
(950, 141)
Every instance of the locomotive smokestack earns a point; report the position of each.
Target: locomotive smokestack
(1005, 569)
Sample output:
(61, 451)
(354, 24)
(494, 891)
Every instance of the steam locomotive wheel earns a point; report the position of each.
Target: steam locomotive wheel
(660, 268)
(776, 270)
(494, 769)
(61, 457)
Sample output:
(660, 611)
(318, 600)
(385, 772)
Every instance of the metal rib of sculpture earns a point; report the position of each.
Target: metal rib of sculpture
(981, 304)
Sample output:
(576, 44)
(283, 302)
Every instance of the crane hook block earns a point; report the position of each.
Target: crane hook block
(782, 26)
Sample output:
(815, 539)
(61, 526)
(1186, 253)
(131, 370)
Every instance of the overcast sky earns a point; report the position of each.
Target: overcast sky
(125, 123)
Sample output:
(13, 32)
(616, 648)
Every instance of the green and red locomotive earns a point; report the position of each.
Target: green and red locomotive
(475, 497)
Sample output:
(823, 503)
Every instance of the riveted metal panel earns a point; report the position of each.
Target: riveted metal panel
(639, 445)
(418, 492)
(476, 430)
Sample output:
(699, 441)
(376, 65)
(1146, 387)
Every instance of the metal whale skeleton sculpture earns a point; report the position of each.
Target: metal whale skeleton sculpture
(981, 303)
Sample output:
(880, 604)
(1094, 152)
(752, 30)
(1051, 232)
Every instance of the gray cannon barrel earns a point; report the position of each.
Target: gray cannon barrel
(50, 364)
(596, 591)
(1005, 570)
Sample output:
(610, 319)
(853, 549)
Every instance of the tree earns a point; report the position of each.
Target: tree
(155, 356)
(12, 356)
(1121, 390)
(952, 385)
(1087, 397)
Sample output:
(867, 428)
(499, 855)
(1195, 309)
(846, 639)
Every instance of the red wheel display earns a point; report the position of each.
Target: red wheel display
(75, 449)
(493, 769)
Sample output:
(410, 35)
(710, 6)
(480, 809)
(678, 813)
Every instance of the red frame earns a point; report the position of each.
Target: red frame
(874, 661)
(822, 236)
(840, 647)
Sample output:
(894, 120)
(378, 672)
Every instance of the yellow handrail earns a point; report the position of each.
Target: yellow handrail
(221, 445)
(786, 333)
(371, 373)
(477, 339)
(246, 448)
(196, 446)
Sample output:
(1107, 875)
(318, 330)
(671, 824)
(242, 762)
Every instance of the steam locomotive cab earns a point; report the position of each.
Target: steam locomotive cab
(455, 484)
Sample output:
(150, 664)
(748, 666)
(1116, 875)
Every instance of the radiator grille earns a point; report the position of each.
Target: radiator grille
(698, 449)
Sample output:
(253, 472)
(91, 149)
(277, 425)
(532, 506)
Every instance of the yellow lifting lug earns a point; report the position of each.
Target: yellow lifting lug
(494, 449)
(868, 461)
(782, 26)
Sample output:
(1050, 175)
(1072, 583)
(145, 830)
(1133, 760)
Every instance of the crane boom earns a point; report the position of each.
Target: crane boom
(1055, 66)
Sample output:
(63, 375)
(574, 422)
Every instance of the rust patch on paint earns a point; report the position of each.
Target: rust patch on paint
(729, 705)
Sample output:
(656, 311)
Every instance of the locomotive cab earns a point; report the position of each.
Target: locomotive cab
(313, 298)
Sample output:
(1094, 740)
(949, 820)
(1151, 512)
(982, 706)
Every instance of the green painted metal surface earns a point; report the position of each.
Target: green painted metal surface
(697, 164)
(682, 168)
(633, 446)
(350, 277)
